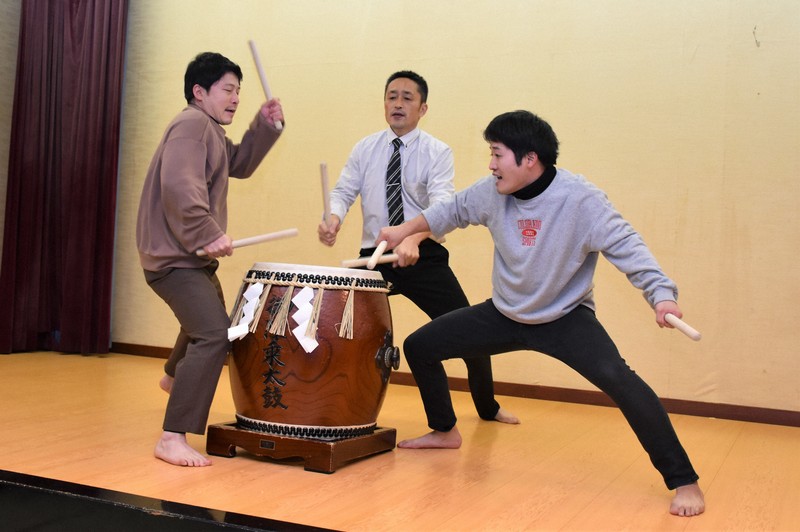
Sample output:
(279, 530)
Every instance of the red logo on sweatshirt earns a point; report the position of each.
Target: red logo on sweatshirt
(528, 230)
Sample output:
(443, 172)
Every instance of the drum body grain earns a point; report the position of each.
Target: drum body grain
(335, 391)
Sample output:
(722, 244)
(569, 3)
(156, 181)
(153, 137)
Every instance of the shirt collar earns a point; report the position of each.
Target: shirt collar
(538, 186)
(408, 139)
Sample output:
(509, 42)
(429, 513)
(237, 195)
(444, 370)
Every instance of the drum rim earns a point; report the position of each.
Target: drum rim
(311, 432)
(318, 270)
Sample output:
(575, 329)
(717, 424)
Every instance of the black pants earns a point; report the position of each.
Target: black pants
(578, 340)
(432, 286)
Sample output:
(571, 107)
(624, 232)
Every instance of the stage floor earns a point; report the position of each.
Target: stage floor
(93, 421)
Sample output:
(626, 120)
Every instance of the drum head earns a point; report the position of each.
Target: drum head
(316, 270)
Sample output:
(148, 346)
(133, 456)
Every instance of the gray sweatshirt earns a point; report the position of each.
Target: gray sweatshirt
(546, 247)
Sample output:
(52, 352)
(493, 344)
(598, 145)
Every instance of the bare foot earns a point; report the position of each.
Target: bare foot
(504, 416)
(174, 449)
(434, 440)
(166, 383)
(688, 501)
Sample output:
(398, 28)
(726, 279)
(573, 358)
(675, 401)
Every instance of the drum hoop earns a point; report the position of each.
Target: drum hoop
(332, 271)
(367, 281)
(328, 282)
(309, 432)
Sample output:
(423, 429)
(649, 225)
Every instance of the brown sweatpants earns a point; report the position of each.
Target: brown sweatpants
(195, 297)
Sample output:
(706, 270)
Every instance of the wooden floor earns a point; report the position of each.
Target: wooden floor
(94, 420)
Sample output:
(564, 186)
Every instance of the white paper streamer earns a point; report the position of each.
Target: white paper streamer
(242, 322)
(302, 300)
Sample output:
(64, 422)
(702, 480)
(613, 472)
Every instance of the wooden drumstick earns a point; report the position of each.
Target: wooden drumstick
(683, 327)
(263, 76)
(373, 260)
(249, 241)
(326, 196)
(357, 263)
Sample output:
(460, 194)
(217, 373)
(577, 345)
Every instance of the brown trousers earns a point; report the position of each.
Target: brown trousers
(195, 297)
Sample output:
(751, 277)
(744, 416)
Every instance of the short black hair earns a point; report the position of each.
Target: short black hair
(422, 85)
(205, 70)
(523, 132)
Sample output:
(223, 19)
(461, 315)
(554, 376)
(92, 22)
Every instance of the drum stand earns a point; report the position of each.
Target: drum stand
(317, 455)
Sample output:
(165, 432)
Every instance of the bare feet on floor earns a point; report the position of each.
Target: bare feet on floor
(688, 501)
(166, 383)
(504, 416)
(174, 449)
(434, 440)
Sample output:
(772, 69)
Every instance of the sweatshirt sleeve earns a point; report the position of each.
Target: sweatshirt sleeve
(184, 193)
(616, 239)
(245, 157)
(466, 207)
(440, 176)
(349, 184)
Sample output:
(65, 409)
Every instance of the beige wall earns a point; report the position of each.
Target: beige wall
(685, 112)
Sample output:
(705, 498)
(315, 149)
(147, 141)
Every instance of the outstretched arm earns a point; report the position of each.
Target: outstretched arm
(408, 250)
(394, 235)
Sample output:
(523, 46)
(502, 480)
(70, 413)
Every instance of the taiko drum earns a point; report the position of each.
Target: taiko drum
(331, 389)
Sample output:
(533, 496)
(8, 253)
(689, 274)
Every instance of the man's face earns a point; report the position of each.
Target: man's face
(221, 100)
(403, 106)
(510, 177)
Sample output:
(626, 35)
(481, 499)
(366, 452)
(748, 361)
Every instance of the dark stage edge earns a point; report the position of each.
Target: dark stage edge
(31, 503)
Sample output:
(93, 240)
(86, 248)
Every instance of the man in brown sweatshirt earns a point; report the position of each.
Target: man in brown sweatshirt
(183, 209)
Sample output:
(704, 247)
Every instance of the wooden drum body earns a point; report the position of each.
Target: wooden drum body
(331, 389)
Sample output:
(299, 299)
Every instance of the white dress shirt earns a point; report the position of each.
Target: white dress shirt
(427, 178)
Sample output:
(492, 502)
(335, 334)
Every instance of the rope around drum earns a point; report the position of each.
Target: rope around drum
(279, 320)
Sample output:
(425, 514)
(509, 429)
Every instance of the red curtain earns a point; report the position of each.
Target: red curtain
(55, 278)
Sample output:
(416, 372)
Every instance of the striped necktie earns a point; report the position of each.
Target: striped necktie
(394, 190)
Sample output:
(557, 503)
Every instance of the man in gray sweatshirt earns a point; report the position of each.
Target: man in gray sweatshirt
(549, 227)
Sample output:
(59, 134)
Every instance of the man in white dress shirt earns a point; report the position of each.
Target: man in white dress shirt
(422, 272)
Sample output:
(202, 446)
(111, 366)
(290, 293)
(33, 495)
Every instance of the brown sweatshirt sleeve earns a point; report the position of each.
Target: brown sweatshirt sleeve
(257, 141)
(184, 199)
(185, 193)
